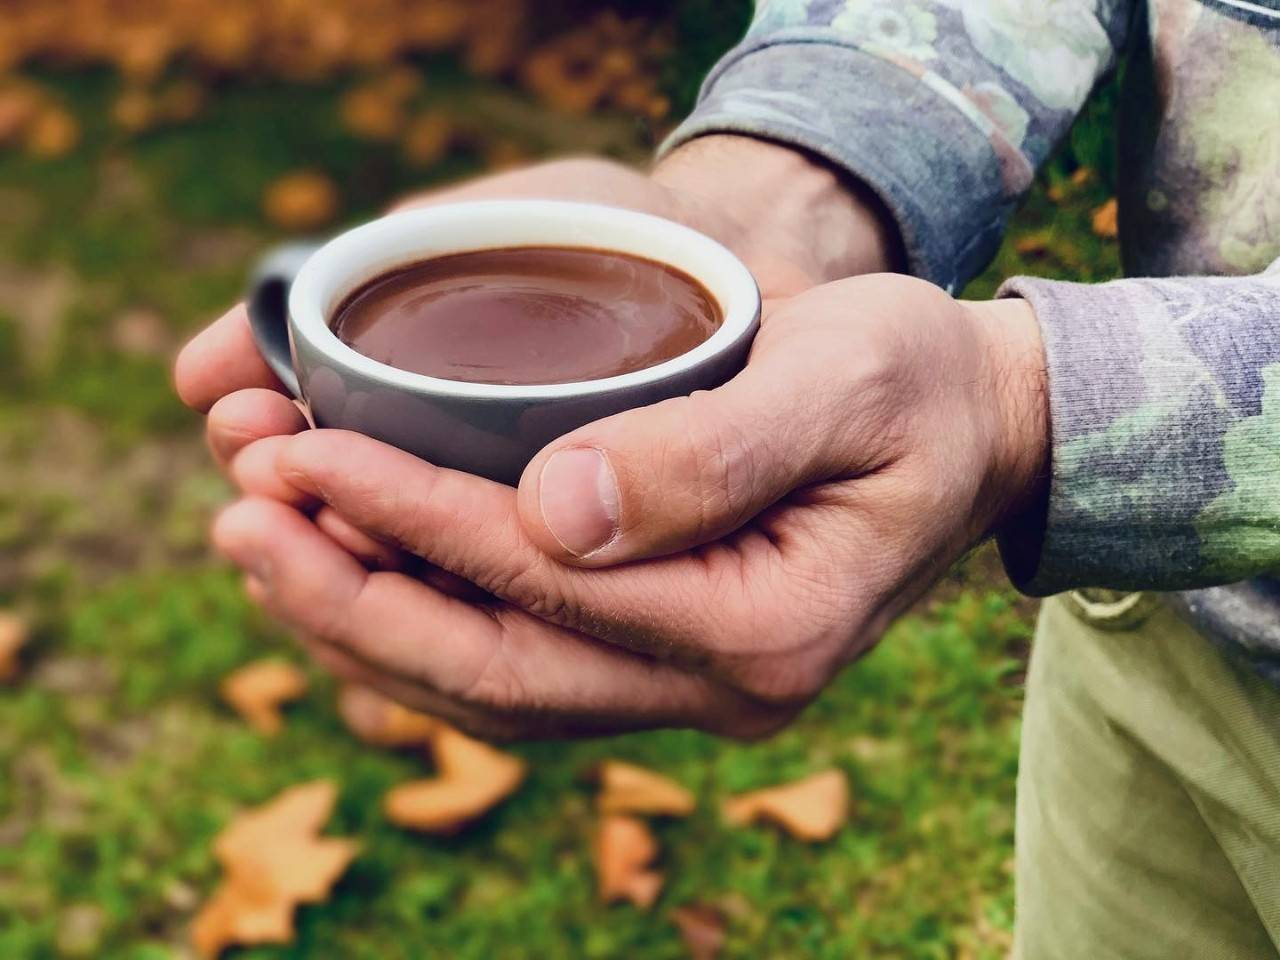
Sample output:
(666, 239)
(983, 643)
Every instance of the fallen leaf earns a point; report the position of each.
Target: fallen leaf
(135, 109)
(627, 788)
(810, 809)
(702, 928)
(14, 634)
(303, 200)
(380, 721)
(53, 132)
(1082, 176)
(1106, 219)
(273, 860)
(472, 778)
(1036, 242)
(624, 852)
(232, 916)
(373, 112)
(257, 691)
(428, 137)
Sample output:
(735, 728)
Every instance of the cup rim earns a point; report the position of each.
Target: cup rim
(364, 252)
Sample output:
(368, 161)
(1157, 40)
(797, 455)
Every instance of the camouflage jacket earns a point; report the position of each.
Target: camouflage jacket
(1164, 391)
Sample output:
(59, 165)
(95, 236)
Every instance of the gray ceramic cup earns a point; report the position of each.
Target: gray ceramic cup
(492, 430)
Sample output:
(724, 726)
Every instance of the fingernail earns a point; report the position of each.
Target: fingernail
(578, 494)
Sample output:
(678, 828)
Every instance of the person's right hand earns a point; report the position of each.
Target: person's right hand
(792, 220)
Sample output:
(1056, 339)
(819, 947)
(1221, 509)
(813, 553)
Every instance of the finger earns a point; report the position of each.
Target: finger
(501, 660)
(379, 555)
(686, 472)
(370, 551)
(700, 611)
(221, 359)
(345, 666)
(240, 418)
(254, 471)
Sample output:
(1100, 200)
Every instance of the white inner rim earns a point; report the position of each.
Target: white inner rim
(351, 259)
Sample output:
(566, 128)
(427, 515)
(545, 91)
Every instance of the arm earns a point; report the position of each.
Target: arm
(1164, 397)
(944, 110)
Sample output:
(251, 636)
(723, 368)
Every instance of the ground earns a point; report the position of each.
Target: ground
(121, 761)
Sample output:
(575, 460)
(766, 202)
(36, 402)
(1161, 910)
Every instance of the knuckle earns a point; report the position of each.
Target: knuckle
(531, 592)
(722, 464)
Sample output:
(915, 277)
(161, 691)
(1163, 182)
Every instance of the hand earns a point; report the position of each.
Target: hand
(710, 561)
(794, 222)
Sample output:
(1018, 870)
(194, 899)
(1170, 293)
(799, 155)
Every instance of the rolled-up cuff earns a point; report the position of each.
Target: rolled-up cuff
(1163, 454)
(883, 124)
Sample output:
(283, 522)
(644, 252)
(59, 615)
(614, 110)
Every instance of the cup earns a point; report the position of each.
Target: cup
(492, 430)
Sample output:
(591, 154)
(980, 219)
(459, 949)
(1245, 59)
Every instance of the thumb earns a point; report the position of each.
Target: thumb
(665, 478)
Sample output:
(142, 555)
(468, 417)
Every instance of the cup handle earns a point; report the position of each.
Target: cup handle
(268, 304)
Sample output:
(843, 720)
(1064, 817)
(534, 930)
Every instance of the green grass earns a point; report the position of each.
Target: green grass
(125, 764)
(120, 761)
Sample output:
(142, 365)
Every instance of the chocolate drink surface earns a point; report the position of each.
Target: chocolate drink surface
(528, 315)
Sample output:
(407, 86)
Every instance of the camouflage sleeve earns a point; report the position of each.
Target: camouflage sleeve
(1164, 397)
(945, 108)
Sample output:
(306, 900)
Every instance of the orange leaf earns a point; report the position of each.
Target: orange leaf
(382, 722)
(428, 137)
(473, 778)
(273, 861)
(14, 634)
(810, 809)
(257, 690)
(53, 132)
(231, 916)
(1082, 176)
(373, 112)
(627, 788)
(624, 850)
(1106, 219)
(1036, 242)
(303, 200)
(702, 928)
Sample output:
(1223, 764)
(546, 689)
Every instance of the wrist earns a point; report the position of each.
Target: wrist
(1017, 383)
(784, 208)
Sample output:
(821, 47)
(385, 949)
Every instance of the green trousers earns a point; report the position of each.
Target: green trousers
(1148, 824)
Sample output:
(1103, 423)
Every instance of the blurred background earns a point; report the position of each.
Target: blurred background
(149, 150)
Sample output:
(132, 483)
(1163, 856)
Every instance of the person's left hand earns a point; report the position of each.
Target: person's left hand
(710, 561)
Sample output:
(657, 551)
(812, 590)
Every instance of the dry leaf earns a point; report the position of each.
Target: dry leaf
(1036, 242)
(382, 722)
(472, 778)
(134, 110)
(627, 788)
(1106, 219)
(14, 634)
(1082, 176)
(257, 690)
(303, 200)
(53, 132)
(273, 860)
(810, 809)
(372, 112)
(702, 928)
(624, 852)
(428, 138)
